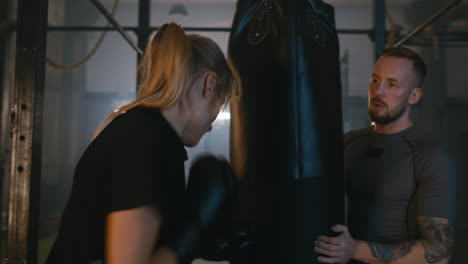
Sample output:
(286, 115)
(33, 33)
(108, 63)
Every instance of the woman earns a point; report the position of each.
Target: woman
(130, 180)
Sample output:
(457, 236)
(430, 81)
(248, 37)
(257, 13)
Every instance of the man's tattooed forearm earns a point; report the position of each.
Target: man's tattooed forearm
(390, 252)
(437, 238)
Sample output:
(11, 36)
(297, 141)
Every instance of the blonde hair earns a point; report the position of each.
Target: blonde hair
(168, 66)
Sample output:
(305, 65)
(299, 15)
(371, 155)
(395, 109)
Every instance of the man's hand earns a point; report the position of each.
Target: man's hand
(338, 249)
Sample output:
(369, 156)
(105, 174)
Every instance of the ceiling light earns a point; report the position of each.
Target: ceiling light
(178, 11)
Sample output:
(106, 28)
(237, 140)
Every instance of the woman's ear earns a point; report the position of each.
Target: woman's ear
(209, 85)
(415, 96)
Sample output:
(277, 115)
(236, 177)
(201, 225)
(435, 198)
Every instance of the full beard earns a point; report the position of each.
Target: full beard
(387, 117)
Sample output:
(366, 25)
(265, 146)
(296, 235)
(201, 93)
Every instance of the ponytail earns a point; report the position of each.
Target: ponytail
(164, 72)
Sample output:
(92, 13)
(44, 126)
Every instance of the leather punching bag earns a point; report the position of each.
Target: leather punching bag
(286, 126)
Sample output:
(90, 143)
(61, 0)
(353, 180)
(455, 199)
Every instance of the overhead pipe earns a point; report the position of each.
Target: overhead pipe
(431, 19)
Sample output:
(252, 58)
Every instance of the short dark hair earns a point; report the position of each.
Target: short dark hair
(418, 63)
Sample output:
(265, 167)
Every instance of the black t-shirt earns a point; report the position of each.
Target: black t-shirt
(392, 179)
(137, 160)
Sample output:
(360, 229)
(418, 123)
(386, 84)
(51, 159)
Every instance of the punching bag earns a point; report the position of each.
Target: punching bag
(286, 126)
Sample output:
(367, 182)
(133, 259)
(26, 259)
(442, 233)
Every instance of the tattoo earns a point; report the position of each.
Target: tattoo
(391, 252)
(436, 237)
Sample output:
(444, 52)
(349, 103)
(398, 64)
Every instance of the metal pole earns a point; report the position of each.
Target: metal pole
(88, 28)
(144, 24)
(379, 24)
(7, 14)
(26, 132)
(202, 29)
(114, 23)
(427, 22)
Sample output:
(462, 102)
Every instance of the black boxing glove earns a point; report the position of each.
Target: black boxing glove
(208, 207)
(236, 244)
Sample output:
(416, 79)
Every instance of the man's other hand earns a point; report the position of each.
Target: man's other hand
(338, 249)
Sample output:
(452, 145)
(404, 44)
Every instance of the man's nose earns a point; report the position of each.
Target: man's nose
(380, 88)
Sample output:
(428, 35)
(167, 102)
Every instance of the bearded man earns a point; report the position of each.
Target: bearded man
(399, 184)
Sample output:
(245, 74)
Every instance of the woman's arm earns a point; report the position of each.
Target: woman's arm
(131, 236)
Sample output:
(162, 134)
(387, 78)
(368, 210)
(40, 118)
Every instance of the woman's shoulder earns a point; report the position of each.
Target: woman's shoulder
(141, 127)
(136, 122)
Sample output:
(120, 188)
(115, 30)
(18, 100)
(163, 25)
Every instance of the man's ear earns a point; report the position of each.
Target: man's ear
(415, 96)
(209, 84)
